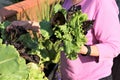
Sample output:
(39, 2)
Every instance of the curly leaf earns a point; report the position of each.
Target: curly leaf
(35, 72)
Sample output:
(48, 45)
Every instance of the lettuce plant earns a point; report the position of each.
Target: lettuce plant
(25, 55)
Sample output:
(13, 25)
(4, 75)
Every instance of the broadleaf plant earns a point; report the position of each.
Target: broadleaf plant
(30, 54)
(68, 27)
(12, 66)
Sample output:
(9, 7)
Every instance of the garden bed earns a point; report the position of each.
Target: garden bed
(36, 53)
(9, 41)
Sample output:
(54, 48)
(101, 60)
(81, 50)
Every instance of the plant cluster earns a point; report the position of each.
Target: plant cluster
(25, 55)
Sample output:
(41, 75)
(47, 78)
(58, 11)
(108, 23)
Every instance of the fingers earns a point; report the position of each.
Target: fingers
(34, 26)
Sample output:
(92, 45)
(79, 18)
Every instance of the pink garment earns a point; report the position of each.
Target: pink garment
(104, 34)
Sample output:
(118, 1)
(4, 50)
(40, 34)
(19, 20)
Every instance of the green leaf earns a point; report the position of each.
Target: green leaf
(35, 72)
(57, 7)
(46, 29)
(12, 66)
(4, 24)
(3, 28)
(28, 41)
(1, 41)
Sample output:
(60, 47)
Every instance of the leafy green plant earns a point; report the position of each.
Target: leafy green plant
(16, 63)
(61, 30)
(66, 30)
(12, 66)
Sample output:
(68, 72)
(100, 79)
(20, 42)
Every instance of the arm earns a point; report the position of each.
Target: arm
(106, 30)
(94, 50)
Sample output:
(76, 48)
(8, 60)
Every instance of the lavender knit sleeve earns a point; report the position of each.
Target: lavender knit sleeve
(107, 30)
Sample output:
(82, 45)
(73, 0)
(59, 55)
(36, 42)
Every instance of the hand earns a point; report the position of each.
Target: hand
(94, 50)
(27, 25)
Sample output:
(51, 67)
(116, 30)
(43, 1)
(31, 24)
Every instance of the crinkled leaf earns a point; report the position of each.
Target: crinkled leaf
(35, 72)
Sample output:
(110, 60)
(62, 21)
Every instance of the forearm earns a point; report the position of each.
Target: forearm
(94, 50)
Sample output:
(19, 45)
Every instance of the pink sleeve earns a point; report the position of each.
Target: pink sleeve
(107, 30)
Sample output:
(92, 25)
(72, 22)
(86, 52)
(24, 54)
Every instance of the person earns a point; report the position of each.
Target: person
(116, 60)
(102, 46)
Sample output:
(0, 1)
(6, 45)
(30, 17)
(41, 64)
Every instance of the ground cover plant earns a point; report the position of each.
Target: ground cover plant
(26, 55)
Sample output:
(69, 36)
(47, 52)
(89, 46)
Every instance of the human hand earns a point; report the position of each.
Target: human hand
(27, 25)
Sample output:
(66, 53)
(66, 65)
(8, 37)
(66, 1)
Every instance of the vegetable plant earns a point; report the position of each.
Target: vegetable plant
(25, 54)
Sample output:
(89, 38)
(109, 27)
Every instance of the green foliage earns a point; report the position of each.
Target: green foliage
(12, 66)
(57, 8)
(46, 29)
(71, 34)
(35, 72)
(2, 29)
(69, 38)
(28, 41)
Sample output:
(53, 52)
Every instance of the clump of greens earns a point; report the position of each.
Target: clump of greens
(17, 61)
(67, 30)
(12, 66)
(62, 31)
